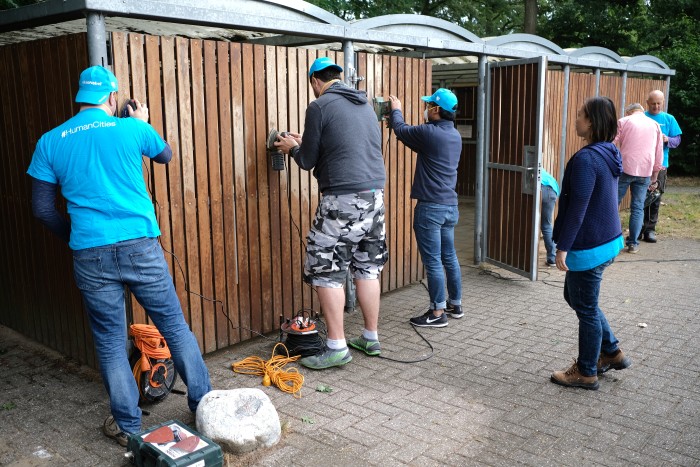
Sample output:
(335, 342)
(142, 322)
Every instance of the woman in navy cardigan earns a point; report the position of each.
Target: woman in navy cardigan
(588, 237)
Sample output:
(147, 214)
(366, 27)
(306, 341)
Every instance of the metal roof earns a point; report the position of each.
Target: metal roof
(297, 23)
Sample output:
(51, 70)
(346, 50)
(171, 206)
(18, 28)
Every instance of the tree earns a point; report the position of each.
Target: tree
(669, 30)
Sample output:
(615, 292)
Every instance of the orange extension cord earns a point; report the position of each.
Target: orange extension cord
(148, 340)
(289, 381)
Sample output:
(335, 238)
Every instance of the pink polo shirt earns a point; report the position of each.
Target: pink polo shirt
(641, 144)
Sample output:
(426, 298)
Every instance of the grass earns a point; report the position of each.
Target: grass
(679, 215)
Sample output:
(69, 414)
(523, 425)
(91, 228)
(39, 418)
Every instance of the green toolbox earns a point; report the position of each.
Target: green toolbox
(173, 444)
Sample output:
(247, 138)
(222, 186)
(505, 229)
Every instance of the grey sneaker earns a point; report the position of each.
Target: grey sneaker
(367, 346)
(112, 430)
(632, 249)
(455, 311)
(327, 358)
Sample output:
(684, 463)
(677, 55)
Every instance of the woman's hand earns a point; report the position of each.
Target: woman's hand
(560, 260)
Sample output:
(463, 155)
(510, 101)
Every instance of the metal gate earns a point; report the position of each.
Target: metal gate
(514, 121)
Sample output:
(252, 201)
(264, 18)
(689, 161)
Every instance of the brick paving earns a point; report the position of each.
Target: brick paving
(483, 398)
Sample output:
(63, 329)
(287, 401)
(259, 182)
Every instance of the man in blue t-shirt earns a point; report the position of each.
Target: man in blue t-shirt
(550, 192)
(96, 159)
(672, 139)
(439, 146)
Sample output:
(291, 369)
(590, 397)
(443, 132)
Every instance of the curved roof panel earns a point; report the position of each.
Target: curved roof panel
(597, 53)
(418, 25)
(527, 42)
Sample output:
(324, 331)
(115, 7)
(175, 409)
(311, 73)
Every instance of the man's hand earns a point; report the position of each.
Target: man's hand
(287, 142)
(141, 111)
(395, 103)
(560, 260)
(653, 185)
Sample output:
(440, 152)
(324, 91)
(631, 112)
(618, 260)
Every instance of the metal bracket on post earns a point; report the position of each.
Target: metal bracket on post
(351, 78)
(530, 174)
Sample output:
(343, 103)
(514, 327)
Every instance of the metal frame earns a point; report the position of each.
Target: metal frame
(541, 71)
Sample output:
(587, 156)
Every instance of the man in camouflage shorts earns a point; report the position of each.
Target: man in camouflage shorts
(342, 144)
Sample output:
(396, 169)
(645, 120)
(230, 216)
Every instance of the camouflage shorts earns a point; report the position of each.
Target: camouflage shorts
(348, 230)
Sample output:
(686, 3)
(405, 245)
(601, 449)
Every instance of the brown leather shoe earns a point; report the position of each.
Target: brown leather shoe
(573, 378)
(613, 361)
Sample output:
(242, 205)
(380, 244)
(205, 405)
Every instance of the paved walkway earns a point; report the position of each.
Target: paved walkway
(483, 398)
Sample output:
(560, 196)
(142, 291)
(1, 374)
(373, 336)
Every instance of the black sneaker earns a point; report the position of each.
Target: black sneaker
(455, 311)
(429, 320)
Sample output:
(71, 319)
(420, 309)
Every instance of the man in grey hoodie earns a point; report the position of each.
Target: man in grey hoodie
(342, 144)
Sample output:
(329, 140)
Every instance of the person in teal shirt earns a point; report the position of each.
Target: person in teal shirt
(672, 139)
(550, 192)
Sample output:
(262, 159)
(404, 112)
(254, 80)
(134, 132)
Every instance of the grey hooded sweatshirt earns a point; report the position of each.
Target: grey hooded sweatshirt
(342, 142)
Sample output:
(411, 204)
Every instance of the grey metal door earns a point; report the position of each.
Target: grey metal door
(514, 120)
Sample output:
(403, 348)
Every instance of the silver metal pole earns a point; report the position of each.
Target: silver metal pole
(480, 156)
(349, 63)
(564, 123)
(597, 82)
(668, 92)
(96, 39)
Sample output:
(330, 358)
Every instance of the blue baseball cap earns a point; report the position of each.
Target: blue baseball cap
(443, 98)
(321, 64)
(95, 85)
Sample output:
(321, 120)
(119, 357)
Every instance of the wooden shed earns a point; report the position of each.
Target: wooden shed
(217, 76)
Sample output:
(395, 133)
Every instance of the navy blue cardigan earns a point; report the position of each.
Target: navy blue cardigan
(588, 209)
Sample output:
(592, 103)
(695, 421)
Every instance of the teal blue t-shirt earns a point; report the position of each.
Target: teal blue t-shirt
(669, 127)
(96, 159)
(547, 180)
(583, 260)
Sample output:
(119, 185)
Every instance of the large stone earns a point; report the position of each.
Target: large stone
(239, 420)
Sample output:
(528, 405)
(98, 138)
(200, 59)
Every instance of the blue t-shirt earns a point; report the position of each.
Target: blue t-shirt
(669, 127)
(96, 159)
(547, 180)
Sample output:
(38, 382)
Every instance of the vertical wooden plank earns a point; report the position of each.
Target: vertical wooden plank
(262, 317)
(238, 117)
(191, 240)
(402, 78)
(170, 106)
(275, 308)
(202, 196)
(250, 317)
(383, 83)
(215, 324)
(297, 235)
(225, 69)
(137, 90)
(286, 230)
(305, 95)
(159, 177)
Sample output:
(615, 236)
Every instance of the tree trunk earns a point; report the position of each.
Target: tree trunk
(530, 16)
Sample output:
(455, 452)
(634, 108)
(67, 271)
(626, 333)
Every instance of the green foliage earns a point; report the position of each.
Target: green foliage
(669, 30)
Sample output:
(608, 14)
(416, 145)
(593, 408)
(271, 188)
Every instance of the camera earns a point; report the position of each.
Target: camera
(381, 107)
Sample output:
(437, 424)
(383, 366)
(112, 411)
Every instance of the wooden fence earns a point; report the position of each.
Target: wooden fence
(233, 227)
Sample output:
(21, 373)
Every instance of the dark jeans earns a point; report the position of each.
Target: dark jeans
(651, 214)
(581, 291)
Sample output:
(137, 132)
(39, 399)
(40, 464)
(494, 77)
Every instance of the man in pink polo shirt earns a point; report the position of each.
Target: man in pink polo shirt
(641, 145)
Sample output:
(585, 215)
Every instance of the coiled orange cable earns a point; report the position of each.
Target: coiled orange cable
(151, 343)
(272, 371)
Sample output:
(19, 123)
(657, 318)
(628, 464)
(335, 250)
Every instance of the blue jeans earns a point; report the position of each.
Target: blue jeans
(101, 274)
(581, 291)
(434, 225)
(549, 199)
(638, 189)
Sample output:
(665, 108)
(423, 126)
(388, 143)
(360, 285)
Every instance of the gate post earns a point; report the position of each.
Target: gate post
(480, 158)
(96, 38)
